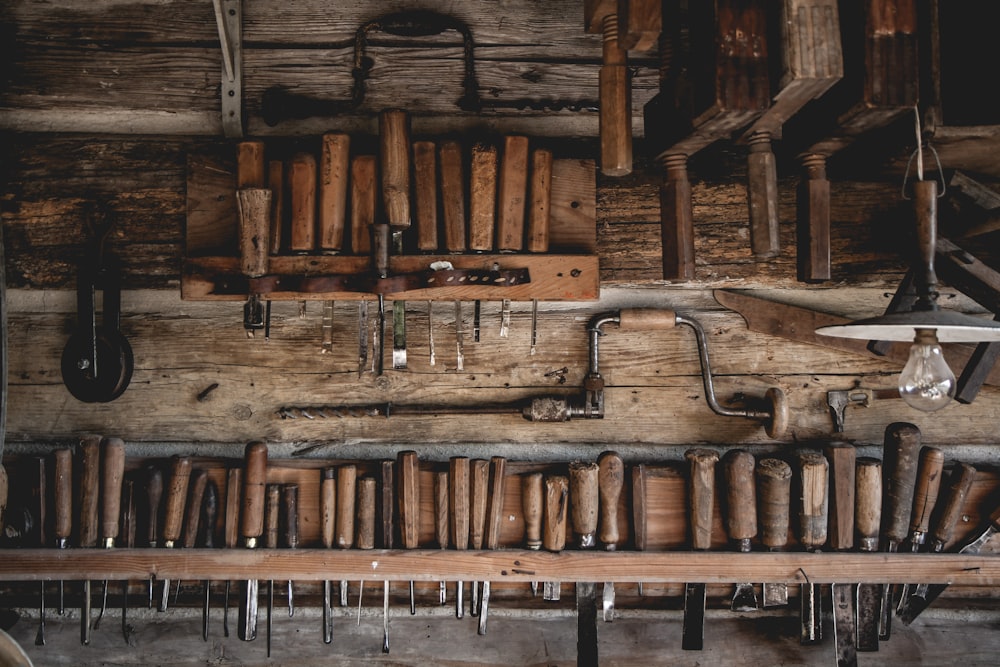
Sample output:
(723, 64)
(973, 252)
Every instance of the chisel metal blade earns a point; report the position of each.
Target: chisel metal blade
(843, 625)
(608, 601)
(399, 335)
(869, 599)
(693, 633)
(775, 595)
(745, 598)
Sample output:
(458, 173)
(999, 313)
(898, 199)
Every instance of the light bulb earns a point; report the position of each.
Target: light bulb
(926, 383)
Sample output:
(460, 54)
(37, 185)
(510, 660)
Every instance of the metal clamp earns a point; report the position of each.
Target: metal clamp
(229, 20)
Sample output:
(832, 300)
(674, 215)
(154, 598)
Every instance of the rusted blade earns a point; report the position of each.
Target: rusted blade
(775, 595)
(844, 632)
(869, 597)
(745, 598)
(693, 633)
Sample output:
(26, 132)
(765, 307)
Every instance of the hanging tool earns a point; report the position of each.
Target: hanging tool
(441, 521)
(328, 523)
(290, 520)
(366, 524)
(930, 469)
(394, 165)
(531, 509)
(584, 501)
(335, 148)
(62, 527)
(192, 514)
(425, 212)
(494, 515)
(112, 475)
(512, 193)
(408, 469)
(479, 478)
(453, 219)
(813, 514)
(363, 198)
(87, 501)
(554, 522)
(231, 531)
(42, 509)
(701, 505)
(209, 512)
(867, 518)
(180, 474)
(840, 537)
(251, 528)
(387, 506)
(255, 218)
(458, 496)
(741, 516)
(774, 482)
(272, 504)
(539, 202)
(482, 208)
(611, 479)
(128, 534)
(154, 494)
(347, 476)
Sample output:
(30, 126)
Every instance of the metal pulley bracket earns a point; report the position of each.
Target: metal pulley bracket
(229, 20)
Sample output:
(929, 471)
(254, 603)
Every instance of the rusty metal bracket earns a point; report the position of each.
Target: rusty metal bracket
(229, 20)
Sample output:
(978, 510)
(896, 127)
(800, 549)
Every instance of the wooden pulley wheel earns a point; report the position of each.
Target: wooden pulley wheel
(105, 380)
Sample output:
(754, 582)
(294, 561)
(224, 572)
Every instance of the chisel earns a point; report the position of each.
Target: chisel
(512, 189)
(960, 481)
(441, 520)
(112, 475)
(540, 196)
(231, 531)
(41, 508)
(901, 449)
(251, 528)
(554, 522)
(127, 540)
(255, 206)
(408, 469)
(453, 220)
(701, 505)
(192, 514)
(87, 501)
(272, 504)
(363, 198)
(366, 524)
(173, 518)
(63, 500)
(479, 475)
(290, 520)
(458, 497)
(584, 500)
(347, 476)
(741, 516)
(425, 212)
(774, 482)
(328, 523)
(842, 459)
(611, 479)
(302, 181)
(154, 494)
(387, 505)
(867, 517)
(813, 514)
(394, 164)
(494, 514)
(930, 468)
(482, 207)
(209, 512)
(531, 508)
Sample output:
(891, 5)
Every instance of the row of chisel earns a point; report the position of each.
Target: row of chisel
(488, 199)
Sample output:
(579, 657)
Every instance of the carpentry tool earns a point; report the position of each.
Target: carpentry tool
(839, 399)
(276, 184)
(251, 528)
(741, 516)
(479, 479)
(408, 469)
(540, 197)
(611, 479)
(531, 508)
(458, 497)
(87, 501)
(209, 512)
(347, 476)
(302, 200)
(554, 531)
(127, 534)
(813, 512)
(290, 520)
(62, 527)
(192, 515)
(494, 514)
(453, 219)
(840, 537)
(154, 494)
(901, 448)
(112, 474)
(366, 524)
(701, 505)
(335, 150)
(441, 521)
(254, 212)
(584, 501)
(272, 503)
(482, 196)
(234, 485)
(925, 493)
(4, 372)
(867, 518)
(328, 523)
(426, 214)
(960, 481)
(774, 481)
(394, 165)
(363, 198)
(387, 505)
(512, 193)
(42, 509)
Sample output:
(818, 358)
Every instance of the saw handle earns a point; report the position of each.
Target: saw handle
(610, 481)
(254, 481)
(741, 497)
(701, 495)
(814, 507)
(531, 507)
(960, 482)
(774, 484)
(925, 493)
(868, 502)
(901, 453)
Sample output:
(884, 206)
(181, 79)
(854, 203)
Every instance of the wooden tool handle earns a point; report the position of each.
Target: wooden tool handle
(335, 158)
(741, 496)
(177, 486)
(63, 494)
(458, 496)
(254, 479)
(394, 163)
(441, 517)
(425, 194)
(677, 220)
(512, 191)
(234, 484)
(815, 500)
(482, 196)
(774, 484)
(556, 501)
(497, 490)
(901, 452)
(610, 481)
(701, 495)
(196, 494)
(347, 477)
(112, 474)
(531, 507)
(814, 221)
(154, 495)
(209, 514)
(868, 502)
(89, 498)
(762, 191)
(276, 184)
(540, 200)
(925, 492)
(363, 202)
(842, 458)
(290, 496)
(127, 535)
(272, 505)
(366, 513)
(584, 497)
(479, 476)
(249, 164)
(951, 512)
(409, 498)
(452, 196)
(254, 215)
(646, 319)
(328, 506)
(615, 94)
(387, 504)
(302, 198)
(639, 508)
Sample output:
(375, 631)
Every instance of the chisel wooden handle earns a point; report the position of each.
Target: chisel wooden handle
(394, 164)
(540, 194)
(302, 198)
(584, 498)
(209, 514)
(387, 504)
(497, 490)
(774, 484)
(231, 528)
(901, 453)
(290, 510)
(458, 492)
(177, 486)
(676, 220)
(276, 184)
(511, 194)
(409, 498)
(479, 477)
(347, 476)
(196, 494)
(639, 508)
(425, 194)
(254, 480)
(363, 201)
(254, 208)
(741, 497)
(63, 495)
(610, 481)
(762, 190)
(556, 502)
(531, 507)
(366, 513)
(960, 481)
(814, 221)
(272, 504)
(868, 502)
(154, 495)
(815, 500)
(89, 498)
(112, 474)
(250, 164)
(441, 516)
(482, 196)
(335, 157)
(328, 506)
(452, 196)
(925, 492)
(701, 495)
(842, 458)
